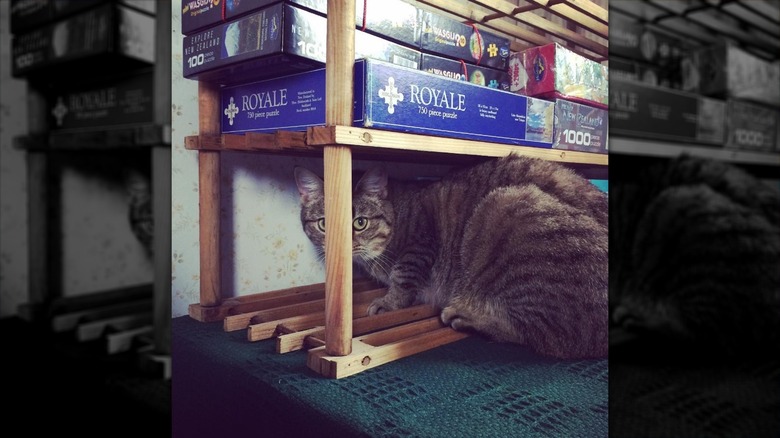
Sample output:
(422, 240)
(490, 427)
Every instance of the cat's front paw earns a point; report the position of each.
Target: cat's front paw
(452, 317)
(382, 305)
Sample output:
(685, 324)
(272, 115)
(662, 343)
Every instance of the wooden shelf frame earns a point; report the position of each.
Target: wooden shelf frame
(376, 141)
(297, 312)
(662, 149)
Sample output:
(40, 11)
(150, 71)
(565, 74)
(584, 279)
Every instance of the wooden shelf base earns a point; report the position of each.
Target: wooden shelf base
(296, 318)
(379, 348)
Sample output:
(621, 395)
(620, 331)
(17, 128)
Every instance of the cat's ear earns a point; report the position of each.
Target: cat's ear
(308, 183)
(374, 182)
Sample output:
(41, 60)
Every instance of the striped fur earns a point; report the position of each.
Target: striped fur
(695, 255)
(513, 248)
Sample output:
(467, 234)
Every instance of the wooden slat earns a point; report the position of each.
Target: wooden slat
(240, 322)
(374, 138)
(93, 330)
(267, 330)
(543, 24)
(223, 310)
(467, 11)
(396, 334)
(365, 356)
(376, 142)
(69, 321)
(280, 141)
(293, 295)
(472, 12)
(297, 339)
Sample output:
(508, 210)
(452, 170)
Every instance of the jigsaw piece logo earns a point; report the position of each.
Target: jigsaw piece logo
(231, 111)
(391, 95)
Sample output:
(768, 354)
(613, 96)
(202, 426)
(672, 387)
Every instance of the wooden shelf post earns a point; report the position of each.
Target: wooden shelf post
(208, 182)
(340, 58)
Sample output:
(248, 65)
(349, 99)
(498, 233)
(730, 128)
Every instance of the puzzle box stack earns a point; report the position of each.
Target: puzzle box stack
(416, 71)
(716, 94)
(62, 47)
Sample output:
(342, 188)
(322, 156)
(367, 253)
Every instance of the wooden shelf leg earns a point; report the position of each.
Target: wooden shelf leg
(338, 179)
(209, 185)
(338, 250)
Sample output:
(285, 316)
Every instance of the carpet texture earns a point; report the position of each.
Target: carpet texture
(472, 388)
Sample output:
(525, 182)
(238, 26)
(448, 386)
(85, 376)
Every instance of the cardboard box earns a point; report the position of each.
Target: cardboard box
(395, 20)
(631, 39)
(649, 112)
(751, 127)
(450, 68)
(117, 35)
(393, 98)
(284, 36)
(728, 71)
(580, 127)
(28, 14)
(554, 72)
(453, 39)
(125, 100)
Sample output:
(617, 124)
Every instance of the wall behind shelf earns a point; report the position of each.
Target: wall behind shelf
(13, 179)
(263, 245)
(99, 250)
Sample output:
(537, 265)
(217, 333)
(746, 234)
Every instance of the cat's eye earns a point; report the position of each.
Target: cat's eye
(360, 223)
(321, 224)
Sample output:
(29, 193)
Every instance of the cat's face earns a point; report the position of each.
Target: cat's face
(372, 214)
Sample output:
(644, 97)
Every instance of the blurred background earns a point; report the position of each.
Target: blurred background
(85, 202)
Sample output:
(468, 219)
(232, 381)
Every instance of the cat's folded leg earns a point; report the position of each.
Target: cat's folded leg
(465, 317)
(396, 298)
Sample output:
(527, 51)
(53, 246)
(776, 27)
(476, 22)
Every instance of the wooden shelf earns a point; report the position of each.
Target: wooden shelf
(321, 316)
(136, 136)
(378, 141)
(631, 146)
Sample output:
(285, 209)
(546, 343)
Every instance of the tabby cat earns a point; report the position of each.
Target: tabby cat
(513, 248)
(695, 256)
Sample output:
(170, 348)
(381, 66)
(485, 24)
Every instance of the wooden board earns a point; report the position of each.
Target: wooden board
(242, 321)
(296, 337)
(405, 342)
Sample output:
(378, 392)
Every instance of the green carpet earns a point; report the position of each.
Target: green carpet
(472, 388)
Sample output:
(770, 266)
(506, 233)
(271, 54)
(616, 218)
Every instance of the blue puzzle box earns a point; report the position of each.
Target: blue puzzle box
(394, 98)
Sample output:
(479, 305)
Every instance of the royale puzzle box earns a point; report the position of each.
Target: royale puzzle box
(391, 19)
(104, 104)
(111, 35)
(580, 127)
(393, 98)
(284, 36)
(637, 109)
